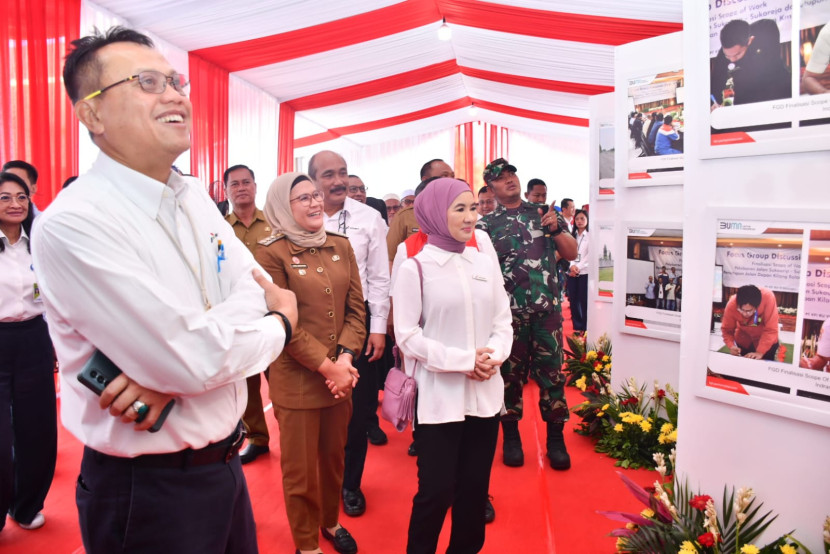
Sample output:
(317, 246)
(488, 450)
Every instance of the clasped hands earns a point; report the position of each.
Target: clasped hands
(341, 376)
(485, 366)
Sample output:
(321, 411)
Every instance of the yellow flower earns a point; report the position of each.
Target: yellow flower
(787, 549)
(620, 544)
(591, 355)
(608, 366)
(631, 417)
(580, 384)
(605, 407)
(631, 526)
(600, 413)
(606, 358)
(687, 547)
(645, 426)
(618, 427)
(666, 428)
(672, 437)
(749, 549)
(648, 512)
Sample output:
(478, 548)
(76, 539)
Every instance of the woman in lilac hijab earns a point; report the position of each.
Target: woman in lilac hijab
(454, 335)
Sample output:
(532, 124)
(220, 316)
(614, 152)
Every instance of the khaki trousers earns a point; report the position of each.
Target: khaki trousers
(312, 461)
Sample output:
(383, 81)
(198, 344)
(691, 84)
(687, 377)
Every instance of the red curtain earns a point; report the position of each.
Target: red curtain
(476, 145)
(285, 139)
(38, 124)
(209, 138)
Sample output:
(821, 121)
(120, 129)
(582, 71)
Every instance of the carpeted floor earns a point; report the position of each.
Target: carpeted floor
(538, 510)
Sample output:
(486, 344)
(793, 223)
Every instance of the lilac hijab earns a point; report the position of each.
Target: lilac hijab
(431, 212)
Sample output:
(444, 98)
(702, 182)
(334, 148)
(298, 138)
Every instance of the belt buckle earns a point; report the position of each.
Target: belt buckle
(241, 433)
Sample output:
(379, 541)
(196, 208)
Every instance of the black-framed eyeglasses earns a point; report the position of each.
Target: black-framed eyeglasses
(7, 198)
(305, 199)
(356, 189)
(154, 82)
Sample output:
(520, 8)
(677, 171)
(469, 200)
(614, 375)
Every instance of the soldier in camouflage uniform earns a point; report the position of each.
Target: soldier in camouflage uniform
(526, 241)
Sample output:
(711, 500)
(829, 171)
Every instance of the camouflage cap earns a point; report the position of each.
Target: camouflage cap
(495, 168)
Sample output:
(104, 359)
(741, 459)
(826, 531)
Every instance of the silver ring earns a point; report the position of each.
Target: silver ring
(140, 408)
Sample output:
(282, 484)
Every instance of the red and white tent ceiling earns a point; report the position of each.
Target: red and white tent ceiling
(369, 69)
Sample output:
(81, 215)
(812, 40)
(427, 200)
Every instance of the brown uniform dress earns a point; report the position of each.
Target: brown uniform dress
(312, 422)
(400, 229)
(254, 416)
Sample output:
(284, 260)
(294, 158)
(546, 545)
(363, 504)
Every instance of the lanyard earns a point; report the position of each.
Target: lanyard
(199, 276)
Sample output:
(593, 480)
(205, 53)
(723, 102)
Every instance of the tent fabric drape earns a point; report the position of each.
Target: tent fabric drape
(252, 132)
(285, 162)
(38, 124)
(209, 136)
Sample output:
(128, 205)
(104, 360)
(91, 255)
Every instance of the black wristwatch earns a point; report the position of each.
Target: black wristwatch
(344, 350)
(285, 323)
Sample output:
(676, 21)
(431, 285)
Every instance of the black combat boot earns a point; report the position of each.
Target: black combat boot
(557, 453)
(513, 455)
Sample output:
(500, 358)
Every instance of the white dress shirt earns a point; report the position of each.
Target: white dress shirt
(581, 261)
(367, 234)
(465, 307)
(485, 246)
(20, 298)
(113, 279)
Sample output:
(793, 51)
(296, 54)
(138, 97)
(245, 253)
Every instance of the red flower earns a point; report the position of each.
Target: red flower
(706, 539)
(582, 358)
(600, 355)
(592, 389)
(699, 502)
(631, 400)
(661, 393)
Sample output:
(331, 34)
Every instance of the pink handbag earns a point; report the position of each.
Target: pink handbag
(398, 407)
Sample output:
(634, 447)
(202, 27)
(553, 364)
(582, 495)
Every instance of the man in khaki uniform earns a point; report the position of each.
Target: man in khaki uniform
(250, 227)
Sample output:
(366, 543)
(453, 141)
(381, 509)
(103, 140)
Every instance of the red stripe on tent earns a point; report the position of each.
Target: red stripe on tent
(431, 73)
(382, 123)
(530, 114)
(375, 87)
(433, 111)
(411, 14)
(348, 31)
(635, 323)
(554, 25)
(533, 82)
(633, 176)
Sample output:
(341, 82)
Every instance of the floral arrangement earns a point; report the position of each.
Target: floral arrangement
(677, 521)
(588, 361)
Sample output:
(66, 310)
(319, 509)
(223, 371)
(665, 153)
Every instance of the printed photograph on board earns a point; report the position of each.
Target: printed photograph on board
(653, 282)
(605, 262)
(769, 313)
(764, 97)
(656, 129)
(606, 160)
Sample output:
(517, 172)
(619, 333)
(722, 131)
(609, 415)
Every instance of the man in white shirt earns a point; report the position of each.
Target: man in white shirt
(367, 234)
(134, 260)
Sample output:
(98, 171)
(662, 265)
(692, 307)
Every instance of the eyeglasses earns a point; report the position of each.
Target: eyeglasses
(747, 312)
(7, 198)
(305, 199)
(406, 203)
(355, 190)
(393, 209)
(154, 82)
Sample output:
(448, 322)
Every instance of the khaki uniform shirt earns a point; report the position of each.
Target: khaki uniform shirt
(400, 229)
(331, 313)
(250, 236)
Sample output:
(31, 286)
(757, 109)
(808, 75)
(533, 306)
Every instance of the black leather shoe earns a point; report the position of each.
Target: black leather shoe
(341, 539)
(354, 503)
(412, 451)
(377, 436)
(489, 511)
(251, 452)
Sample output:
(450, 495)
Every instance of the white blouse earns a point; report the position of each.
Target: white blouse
(465, 307)
(20, 298)
(581, 261)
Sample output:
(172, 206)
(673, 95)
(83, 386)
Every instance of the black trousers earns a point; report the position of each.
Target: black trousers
(28, 419)
(454, 462)
(364, 406)
(126, 507)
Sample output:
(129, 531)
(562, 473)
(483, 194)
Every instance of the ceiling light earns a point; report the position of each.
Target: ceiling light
(444, 31)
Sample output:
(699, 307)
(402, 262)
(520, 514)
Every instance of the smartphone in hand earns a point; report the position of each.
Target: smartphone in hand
(99, 371)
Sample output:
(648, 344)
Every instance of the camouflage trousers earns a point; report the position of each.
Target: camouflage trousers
(537, 352)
